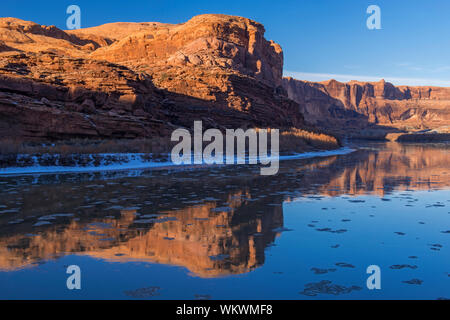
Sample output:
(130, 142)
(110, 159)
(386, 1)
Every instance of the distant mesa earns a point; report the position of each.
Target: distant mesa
(372, 110)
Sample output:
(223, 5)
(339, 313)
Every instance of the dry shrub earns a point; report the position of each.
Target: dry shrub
(157, 145)
(291, 140)
(10, 146)
(299, 140)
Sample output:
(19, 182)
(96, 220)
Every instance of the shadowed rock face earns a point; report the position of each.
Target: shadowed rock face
(361, 105)
(128, 80)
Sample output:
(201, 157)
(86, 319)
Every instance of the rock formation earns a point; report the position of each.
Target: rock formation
(361, 105)
(128, 80)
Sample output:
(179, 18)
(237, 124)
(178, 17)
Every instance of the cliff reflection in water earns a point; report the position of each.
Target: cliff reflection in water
(214, 222)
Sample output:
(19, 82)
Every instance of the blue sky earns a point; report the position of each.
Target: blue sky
(321, 39)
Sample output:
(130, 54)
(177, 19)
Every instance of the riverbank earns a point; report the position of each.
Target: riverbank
(441, 134)
(79, 163)
(419, 137)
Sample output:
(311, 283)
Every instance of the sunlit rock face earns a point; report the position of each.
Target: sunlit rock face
(231, 43)
(361, 105)
(131, 80)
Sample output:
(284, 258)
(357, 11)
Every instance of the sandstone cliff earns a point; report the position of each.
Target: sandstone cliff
(361, 105)
(128, 80)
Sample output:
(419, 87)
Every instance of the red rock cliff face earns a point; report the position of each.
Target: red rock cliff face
(233, 43)
(128, 80)
(356, 105)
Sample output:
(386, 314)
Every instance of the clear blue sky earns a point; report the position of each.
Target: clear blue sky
(320, 38)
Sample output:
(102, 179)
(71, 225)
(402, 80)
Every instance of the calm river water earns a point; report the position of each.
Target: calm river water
(309, 232)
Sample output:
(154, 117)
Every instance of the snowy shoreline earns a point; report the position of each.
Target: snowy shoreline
(133, 161)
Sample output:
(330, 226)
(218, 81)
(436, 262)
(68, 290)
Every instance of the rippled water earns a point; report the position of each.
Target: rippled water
(228, 233)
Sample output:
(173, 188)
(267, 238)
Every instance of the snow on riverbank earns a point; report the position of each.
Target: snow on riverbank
(130, 161)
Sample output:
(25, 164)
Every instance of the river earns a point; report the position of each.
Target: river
(310, 232)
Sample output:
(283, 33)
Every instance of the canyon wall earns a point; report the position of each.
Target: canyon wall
(134, 80)
(141, 80)
(356, 105)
